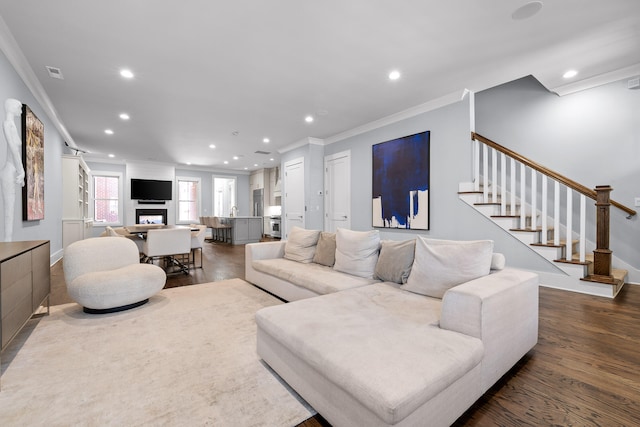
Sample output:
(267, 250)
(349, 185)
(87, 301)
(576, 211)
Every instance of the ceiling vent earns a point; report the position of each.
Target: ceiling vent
(263, 152)
(54, 72)
(634, 83)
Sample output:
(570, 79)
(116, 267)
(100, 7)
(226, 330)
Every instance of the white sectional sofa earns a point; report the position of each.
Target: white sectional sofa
(365, 351)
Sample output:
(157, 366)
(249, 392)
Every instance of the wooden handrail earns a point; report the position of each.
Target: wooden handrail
(558, 177)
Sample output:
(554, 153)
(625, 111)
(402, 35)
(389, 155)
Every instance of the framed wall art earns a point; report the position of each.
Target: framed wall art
(400, 188)
(33, 160)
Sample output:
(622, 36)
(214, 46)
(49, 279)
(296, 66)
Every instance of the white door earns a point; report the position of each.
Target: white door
(293, 195)
(337, 191)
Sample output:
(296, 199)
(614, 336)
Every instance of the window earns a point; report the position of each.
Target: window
(107, 194)
(224, 195)
(188, 200)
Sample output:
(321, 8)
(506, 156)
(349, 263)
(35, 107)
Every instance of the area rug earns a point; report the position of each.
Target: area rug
(188, 357)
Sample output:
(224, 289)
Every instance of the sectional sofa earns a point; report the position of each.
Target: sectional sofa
(389, 333)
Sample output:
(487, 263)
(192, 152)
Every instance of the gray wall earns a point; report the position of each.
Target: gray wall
(50, 228)
(450, 150)
(592, 137)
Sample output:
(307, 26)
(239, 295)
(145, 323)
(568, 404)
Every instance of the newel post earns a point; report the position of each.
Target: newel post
(602, 253)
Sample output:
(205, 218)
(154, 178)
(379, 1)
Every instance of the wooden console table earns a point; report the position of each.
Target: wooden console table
(24, 284)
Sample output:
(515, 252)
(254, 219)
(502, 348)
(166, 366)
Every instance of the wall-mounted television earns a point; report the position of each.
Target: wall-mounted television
(150, 189)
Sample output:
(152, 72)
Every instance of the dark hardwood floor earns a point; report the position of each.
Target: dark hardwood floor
(585, 370)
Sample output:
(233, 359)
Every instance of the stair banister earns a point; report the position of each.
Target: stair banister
(552, 174)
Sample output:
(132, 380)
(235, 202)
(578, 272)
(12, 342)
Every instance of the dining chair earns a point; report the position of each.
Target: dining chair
(197, 240)
(173, 245)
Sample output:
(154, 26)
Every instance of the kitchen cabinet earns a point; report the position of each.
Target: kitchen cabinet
(245, 229)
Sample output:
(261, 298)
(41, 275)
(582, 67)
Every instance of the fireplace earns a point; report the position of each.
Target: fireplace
(151, 216)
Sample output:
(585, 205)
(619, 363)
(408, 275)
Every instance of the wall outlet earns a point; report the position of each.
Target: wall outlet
(637, 201)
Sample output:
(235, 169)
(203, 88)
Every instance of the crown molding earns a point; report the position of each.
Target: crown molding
(434, 104)
(599, 80)
(16, 58)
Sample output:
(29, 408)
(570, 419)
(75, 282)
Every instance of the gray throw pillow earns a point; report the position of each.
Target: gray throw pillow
(326, 249)
(395, 260)
(357, 252)
(301, 244)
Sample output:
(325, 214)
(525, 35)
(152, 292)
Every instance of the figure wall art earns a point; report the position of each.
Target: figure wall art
(400, 197)
(33, 158)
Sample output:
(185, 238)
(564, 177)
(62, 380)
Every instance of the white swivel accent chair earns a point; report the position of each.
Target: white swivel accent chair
(104, 275)
(172, 245)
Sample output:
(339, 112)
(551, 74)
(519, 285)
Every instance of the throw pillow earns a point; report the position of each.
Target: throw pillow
(443, 264)
(301, 244)
(326, 249)
(395, 260)
(357, 252)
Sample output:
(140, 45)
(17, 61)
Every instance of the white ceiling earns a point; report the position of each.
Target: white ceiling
(205, 70)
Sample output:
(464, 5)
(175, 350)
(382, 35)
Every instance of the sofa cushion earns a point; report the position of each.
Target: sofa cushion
(441, 264)
(301, 244)
(380, 344)
(326, 249)
(315, 277)
(395, 260)
(357, 252)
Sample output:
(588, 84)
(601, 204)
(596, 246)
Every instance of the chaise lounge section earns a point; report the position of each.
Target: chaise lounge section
(381, 355)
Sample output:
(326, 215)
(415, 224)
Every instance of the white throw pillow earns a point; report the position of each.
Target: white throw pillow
(442, 264)
(301, 244)
(357, 252)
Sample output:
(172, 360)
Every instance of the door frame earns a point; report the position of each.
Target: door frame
(347, 185)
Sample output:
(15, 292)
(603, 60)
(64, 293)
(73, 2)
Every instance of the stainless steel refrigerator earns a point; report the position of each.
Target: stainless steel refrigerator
(258, 202)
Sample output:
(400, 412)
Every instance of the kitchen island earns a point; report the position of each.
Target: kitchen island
(244, 229)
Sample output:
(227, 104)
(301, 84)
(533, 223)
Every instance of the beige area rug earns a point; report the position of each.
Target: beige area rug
(187, 358)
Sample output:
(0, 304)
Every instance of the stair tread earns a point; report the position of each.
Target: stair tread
(529, 229)
(573, 261)
(616, 278)
(551, 244)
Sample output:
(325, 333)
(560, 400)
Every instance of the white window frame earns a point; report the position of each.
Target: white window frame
(198, 182)
(213, 192)
(92, 207)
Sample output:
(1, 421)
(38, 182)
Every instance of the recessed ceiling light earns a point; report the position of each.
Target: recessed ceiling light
(266, 140)
(226, 162)
(212, 146)
(108, 131)
(527, 10)
(127, 74)
(394, 75)
(188, 163)
(246, 168)
(124, 116)
(112, 155)
(308, 119)
(255, 164)
(235, 157)
(570, 74)
(271, 160)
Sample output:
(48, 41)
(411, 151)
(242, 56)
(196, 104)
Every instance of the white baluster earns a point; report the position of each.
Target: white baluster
(556, 213)
(523, 196)
(583, 232)
(485, 173)
(569, 243)
(534, 199)
(544, 234)
(494, 176)
(512, 187)
(476, 164)
(503, 184)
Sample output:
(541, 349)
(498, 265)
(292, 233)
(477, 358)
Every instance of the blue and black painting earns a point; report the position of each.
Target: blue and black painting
(400, 170)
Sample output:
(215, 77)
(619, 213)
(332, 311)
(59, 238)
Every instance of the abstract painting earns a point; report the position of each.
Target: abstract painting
(33, 159)
(400, 196)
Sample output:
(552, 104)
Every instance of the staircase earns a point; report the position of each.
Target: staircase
(536, 206)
